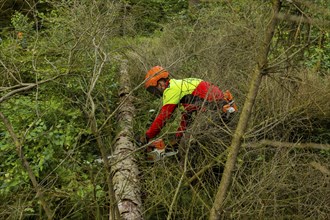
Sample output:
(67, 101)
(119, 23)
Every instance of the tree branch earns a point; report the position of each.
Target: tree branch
(90, 111)
(245, 116)
(27, 167)
(288, 145)
(27, 86)
(301, 19)
(321, 168)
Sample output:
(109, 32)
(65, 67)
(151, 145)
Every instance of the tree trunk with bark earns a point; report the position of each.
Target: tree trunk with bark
(259, 72)
(124, 170)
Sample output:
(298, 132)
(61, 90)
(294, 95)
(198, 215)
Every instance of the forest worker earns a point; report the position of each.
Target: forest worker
(192, 93)
(22, 40)
(20, 35)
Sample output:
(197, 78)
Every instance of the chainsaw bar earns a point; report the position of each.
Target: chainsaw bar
(171, 153)
(155, 156)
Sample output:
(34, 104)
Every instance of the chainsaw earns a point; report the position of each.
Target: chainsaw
(157, 150)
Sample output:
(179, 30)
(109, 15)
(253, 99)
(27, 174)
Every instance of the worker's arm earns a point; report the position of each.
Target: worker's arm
(159, 122)
(183, 125)
(186, 119)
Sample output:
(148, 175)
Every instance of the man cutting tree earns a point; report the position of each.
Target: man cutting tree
(192, 93)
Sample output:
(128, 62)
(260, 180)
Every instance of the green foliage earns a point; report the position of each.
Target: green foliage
(21, 23)
(318, 55)
(220, 41)
(50, 120)
(46, 139)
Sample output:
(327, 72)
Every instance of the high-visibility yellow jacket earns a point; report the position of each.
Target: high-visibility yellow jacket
(190, 93)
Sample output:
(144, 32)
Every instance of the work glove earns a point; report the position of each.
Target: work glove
(228, 96)
(228, 104)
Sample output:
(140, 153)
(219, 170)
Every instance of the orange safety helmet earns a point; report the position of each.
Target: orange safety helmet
(154, 74)
(19, 35)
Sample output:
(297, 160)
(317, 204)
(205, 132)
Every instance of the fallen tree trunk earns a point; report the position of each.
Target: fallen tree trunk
(124, 169)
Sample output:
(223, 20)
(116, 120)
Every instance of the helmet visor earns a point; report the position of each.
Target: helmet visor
(153, 90)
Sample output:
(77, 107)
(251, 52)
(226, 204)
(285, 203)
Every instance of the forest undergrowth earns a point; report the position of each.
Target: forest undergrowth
(66, 72)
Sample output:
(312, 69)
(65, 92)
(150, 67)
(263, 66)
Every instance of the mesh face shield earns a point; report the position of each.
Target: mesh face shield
(153, 90)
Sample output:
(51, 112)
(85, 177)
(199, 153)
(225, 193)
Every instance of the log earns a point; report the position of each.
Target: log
(125, 172)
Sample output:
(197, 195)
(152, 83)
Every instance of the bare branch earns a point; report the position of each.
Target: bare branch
(321, 168)
(27, 86)
(90, 105)
(302, 19)
(217, 207)
(274, 143)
